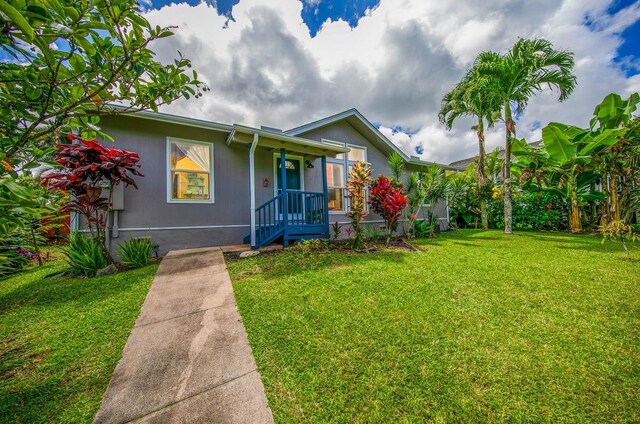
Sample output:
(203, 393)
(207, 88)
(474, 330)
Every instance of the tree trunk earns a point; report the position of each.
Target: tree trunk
(575, 224)
(615, 204)
(510, 128)
(604, 206)
(484, 214)
(482, 179)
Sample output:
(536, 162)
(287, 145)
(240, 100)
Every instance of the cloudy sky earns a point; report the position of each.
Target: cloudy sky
(282, 63)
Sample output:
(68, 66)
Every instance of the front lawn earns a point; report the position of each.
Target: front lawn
(60, 340)
(477, 327)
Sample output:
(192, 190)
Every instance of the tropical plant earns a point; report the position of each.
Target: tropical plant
(543, 210)
(387, 201)
(435, 183)
(336, 230)
(416, 196)
(87, 169)
(565, 165)
(20, 209)
(357, 183)
(493, 165)
(514, 77)
(71, 61)
(618, 163)
(135, 252)
(618, 230)
(474, 97)
(463, 200)
(422, 229)
(397, 165)
(373, 233)
(85, 256)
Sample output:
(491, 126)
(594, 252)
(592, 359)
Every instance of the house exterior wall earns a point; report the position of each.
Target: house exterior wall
(146, 211)
(181, 225)
(343, 132)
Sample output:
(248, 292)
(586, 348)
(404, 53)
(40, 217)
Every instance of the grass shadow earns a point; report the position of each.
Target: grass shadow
(42, 291)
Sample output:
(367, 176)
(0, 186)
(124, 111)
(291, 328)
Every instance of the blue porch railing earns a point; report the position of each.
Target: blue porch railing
(304, 215)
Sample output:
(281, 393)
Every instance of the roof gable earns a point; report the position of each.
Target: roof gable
(366, 128)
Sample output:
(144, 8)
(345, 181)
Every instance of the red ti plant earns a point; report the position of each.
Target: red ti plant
(88, 168)
(387, 200)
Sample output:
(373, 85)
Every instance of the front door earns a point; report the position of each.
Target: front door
(293, 171)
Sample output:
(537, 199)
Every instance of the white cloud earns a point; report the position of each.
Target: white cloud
(265, 69)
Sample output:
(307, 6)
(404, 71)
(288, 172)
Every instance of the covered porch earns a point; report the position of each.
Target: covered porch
(293, 213)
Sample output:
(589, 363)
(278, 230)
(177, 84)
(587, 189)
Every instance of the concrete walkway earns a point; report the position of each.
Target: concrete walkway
(187, 359)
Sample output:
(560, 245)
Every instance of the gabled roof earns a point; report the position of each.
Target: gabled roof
(362, 125)
(277, 139)
(173, 119)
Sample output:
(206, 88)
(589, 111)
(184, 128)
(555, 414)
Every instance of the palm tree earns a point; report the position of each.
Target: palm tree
(473, 96)
(516, 76)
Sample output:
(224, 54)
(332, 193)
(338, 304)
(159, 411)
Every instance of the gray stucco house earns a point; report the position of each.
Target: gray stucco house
(209, 184)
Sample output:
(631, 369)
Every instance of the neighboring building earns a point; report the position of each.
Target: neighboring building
(210, 184)
(463, 164)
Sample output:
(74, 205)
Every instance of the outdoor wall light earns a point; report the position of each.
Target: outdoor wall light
(308, 164)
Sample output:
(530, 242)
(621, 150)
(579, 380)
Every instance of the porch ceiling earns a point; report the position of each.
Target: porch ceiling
(271, 139)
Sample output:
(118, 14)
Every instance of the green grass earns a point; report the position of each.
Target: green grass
(477, 327)
(60, 340)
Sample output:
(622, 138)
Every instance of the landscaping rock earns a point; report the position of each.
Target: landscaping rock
(249, 254)
(109, 269)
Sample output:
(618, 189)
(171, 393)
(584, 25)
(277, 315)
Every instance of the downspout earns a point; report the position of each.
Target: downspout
(252, 187)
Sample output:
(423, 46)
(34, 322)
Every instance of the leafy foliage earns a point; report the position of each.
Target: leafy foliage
(357, 183)
(513, 78)
(531, 211)
(135, 252)
(71, 62)
(618, 230)
(85, 256)
(422, 230)
(387, 201)
(87, 167)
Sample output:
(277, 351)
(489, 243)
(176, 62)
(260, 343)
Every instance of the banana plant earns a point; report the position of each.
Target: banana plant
(564, 164)
(615, 163)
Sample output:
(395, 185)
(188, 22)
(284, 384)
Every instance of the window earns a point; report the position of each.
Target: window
(338, 173)
(336, 183)
(190, 178)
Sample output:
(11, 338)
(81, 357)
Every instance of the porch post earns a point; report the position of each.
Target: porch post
(325, 190)
(285, 200)
(252, 188)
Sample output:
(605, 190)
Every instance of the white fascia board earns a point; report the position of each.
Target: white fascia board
(289, 138)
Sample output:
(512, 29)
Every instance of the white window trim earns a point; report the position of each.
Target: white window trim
(276, 159)
(211, 199)
(346, 163)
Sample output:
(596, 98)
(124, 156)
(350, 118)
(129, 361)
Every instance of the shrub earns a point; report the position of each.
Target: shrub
(359, 180)
(531, 211)
(618, 230)
(135, 252)
(13, 257)
(336, 230)
(387, 200)
(373, 233)
(84, 255)
(421, 229)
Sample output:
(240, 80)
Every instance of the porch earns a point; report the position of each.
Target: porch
(293, 213)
